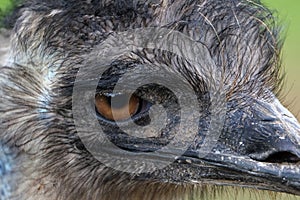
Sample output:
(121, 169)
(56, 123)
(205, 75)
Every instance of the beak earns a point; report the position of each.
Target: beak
(273, 134)
(259, 147)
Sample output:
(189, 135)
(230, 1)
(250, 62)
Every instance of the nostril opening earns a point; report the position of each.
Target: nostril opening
(282, 157)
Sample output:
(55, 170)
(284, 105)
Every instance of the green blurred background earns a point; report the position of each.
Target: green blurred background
(288, 12)
(4, 3)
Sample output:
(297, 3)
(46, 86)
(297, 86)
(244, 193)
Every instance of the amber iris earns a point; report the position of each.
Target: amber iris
(117, 108)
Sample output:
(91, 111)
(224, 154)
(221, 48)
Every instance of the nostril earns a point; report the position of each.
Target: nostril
(282, 157)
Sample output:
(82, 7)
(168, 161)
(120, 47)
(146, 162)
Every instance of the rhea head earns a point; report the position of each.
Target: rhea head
(145, 99)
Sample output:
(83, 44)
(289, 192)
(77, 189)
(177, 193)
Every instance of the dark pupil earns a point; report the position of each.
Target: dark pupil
(118, 101)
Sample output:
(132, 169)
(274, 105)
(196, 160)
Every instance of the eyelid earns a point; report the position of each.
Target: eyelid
(111, 94)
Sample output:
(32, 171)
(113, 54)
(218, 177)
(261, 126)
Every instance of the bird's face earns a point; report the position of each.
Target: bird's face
(209, 136)
(113, 97)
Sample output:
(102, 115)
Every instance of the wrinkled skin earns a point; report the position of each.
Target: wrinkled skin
(259, 141)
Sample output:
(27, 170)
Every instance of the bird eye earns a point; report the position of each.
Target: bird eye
(118, 107)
